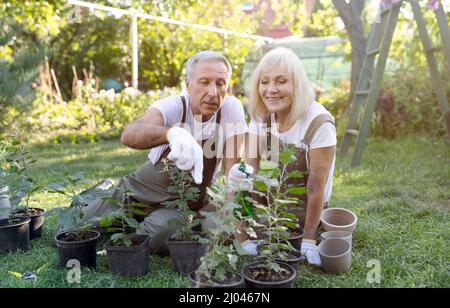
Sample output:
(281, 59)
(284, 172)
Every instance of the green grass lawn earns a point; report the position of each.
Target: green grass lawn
(401, 194)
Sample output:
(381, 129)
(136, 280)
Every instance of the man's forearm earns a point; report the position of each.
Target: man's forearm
(143, 136)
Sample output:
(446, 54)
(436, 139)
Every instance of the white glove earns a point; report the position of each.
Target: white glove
(311, 251)
(239, 179)
(185, 152)
(249, 248)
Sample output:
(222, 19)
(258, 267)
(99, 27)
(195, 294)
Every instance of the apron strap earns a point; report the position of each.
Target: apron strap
(183, 101)
(311, 131)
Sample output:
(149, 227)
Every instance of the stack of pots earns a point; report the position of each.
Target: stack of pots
(335, 248)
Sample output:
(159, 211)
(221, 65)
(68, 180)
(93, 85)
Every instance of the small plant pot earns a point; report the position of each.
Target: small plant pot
(129, 261)
(198, 281)
(251, 282)
(186, 255)
(336, 255)
(36, 223)
(338, 219)
(293, 260)
(15, 235)
(5, 204)
(296, 238)
(83, 250)
(346, 235)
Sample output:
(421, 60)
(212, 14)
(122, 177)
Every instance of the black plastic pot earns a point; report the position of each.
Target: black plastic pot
(186, 255)
(15, 236)
(84, 251)
(129, 261)
(252, 283)
(293, 261)
(36, 223)
(196, 281)
(296, 241)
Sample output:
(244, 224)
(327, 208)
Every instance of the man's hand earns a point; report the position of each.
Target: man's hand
(311, 251)
(238, 177)
(185, 152)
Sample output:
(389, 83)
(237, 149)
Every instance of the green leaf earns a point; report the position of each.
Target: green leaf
(261, 186)
(295, 174)
(297, 190)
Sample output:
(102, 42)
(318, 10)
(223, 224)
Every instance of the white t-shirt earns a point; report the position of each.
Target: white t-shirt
(325, 136)
(232, 122)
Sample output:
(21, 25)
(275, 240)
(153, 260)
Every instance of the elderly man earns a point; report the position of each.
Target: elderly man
(212, 127)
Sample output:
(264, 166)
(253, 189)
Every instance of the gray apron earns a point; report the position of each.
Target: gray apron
(148, 185)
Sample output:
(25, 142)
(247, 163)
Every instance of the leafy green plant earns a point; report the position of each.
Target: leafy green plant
(273, 218)
(15, 161)
(223, 254)
(71, 218)
(122, 220)
(181, 184)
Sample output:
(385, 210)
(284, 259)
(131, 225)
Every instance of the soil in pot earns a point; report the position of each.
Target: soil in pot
(233, 280)
(129, 260)
(15, 235)
(186, 255)
(36, 223)
(293, 259)
(257, 275)
(296, 237)
(82, 248)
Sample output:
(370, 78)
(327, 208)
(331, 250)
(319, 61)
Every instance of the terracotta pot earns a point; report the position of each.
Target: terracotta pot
(346, 235)
(338, 219)
(336, 255)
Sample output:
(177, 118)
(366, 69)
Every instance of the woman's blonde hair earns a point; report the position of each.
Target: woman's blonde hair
(304, 94)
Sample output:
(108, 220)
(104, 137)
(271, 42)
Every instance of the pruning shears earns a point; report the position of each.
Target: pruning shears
(242, 168)
(28, 275)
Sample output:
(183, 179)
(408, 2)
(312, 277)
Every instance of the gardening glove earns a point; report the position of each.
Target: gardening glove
(185, 152)
(240, 179)
(311, 251)
(249, 248)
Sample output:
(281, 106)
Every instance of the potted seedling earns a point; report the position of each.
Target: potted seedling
(127, 252)
(184, 246)
(218, 267)
(14, 231)
(75, 239)
(21, 185)
(275, 223)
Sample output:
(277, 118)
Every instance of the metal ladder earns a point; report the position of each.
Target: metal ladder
(370, 78)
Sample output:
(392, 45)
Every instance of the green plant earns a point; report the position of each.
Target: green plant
(71, 218)
(181, 185)
(273, 217)
(15, 161)
(223, 253)
(121, 220)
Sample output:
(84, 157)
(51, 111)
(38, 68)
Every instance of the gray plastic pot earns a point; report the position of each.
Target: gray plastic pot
(338, 219)
(253, 283)
(336, 255)
(346, 235)
(5, 204)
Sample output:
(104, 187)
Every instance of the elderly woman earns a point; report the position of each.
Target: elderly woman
(283, 110)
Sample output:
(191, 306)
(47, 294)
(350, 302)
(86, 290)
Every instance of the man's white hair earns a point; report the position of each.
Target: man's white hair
(206, 56)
